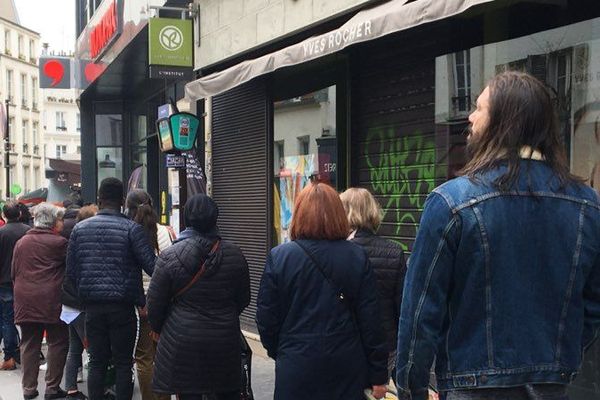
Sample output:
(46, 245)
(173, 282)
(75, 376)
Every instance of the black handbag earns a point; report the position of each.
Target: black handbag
(246, 389)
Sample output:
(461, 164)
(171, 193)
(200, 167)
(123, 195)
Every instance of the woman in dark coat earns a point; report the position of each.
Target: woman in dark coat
(386, 257)
(38, 269)
(317, 308)
(199, 350)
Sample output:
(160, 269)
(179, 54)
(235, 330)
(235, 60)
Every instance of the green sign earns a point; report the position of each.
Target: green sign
(184, 127)
(15, 189)
(177, 132)
(170, 42)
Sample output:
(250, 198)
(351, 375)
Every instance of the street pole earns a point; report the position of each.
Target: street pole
(7, 149)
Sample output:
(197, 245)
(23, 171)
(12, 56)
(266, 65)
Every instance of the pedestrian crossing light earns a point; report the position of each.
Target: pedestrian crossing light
(177, 132)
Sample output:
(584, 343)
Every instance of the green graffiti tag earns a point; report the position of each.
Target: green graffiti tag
(402, 170)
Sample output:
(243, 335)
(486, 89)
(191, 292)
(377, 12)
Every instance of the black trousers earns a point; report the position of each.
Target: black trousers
(111, 334)
(235, 395)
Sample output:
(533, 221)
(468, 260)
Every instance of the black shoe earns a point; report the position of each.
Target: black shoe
(61, 394)
(31, 396)
(76, 396)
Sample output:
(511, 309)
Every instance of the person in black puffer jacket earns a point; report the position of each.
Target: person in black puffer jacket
(199, 350)
(105, 258)
(386, 257)
(72, 206)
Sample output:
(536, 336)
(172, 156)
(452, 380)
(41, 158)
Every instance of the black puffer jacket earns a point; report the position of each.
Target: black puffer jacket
(70, 219)
(199, 346)
(387, 259)
(105, 259)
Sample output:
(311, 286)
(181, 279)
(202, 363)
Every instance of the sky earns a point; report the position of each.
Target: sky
(53, 19)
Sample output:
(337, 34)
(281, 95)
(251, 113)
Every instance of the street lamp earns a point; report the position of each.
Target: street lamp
(7, 149)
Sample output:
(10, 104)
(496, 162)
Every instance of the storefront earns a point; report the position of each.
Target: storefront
(119, 108)
(388, 112)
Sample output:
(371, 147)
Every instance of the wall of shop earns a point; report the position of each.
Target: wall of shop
(229, 27)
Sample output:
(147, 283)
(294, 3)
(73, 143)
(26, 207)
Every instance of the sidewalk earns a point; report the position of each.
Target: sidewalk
(263, 378)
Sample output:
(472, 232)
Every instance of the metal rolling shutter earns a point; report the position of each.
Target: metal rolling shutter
(239, 161)
(394, 144)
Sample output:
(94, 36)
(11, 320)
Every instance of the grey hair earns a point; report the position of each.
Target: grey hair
(45, 215)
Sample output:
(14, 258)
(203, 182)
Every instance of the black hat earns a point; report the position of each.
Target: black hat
(111, 190)
(201, 213)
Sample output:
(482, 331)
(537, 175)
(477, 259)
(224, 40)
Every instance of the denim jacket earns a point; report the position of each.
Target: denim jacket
(503, 288)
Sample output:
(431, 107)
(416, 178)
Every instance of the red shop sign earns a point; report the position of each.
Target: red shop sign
(104, 30)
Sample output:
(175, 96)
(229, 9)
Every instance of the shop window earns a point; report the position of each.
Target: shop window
(109, 161)
(309, 121)
(109, 130)
(567, 63)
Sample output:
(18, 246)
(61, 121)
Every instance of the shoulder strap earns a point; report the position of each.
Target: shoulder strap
(337, 288)
(200, 272)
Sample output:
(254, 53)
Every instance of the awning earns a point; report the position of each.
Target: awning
(66, 172)
(369, 24)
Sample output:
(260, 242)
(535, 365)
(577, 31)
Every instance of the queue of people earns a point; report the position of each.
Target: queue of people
(488, 294)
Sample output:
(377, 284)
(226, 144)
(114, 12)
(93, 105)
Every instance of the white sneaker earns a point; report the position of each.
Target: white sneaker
(44, 367)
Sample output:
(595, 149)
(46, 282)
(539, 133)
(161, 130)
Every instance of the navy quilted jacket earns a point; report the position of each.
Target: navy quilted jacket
(105, 259)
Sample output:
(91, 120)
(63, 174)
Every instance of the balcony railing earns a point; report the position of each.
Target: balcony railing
(25, 148)
(36, 149)
(24, 104)
(22, 57)
(61, 128)
(34, 106)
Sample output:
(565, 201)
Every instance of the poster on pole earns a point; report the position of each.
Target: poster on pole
(196, 180)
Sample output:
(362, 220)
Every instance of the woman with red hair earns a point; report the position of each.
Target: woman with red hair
(317, 309)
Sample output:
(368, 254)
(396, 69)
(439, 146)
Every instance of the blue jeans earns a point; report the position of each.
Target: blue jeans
(9, 331)
(527, 392)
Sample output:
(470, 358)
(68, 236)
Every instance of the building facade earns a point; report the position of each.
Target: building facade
(119, 101)
(61, 122)
(19, 83)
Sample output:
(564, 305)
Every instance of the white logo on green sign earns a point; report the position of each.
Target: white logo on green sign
(171, 38)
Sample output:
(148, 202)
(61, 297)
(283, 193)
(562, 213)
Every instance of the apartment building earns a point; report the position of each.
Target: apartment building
(19, 84)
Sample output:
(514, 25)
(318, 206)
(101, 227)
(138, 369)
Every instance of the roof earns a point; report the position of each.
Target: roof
(9, 12)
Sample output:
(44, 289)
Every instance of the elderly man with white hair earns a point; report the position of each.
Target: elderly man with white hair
(38, 269)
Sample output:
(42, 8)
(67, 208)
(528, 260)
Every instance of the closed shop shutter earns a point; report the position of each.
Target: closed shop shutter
(239, 162)
(395, 150)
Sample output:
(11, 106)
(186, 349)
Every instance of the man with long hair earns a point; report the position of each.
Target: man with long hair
(503, 285)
